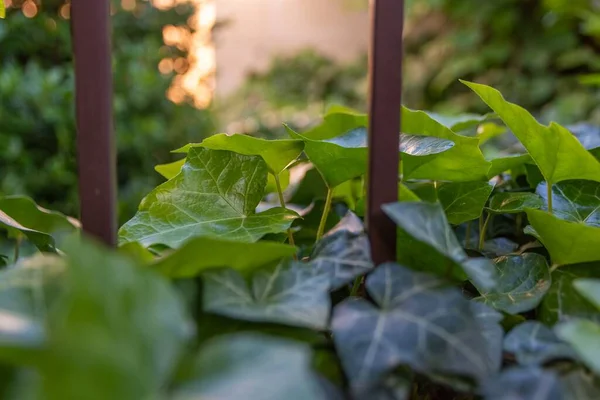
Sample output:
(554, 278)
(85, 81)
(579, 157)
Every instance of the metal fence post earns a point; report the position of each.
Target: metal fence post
(93, 97)
(385, 70)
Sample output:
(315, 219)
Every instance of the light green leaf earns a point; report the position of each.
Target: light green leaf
(203, 253)
(577, 201)
(234, 367)
(44, 228)
(2, 9)
(522, 283)
(462, 201)
(460, 122)
(117, 331)
(489, 131)
(562, 301)
(434, 247)
(215, 195)
(278, 154)
(567, 242)
(558, 154)
(507, 163)
(590, 289)
(293, 295)
(169, 170)
(524, 383)
(533, 343)
(415, 322)
(584, 336)
(514, 202)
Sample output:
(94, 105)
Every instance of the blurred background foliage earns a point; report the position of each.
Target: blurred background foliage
(542, 54)
(37, 125)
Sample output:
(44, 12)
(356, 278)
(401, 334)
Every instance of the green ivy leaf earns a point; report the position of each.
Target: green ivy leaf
(44, 228)
(434, 245)
(581, 385)
(567, 242)
(215, 195)
(584, 336)
(533, 343)
(489, 321)
(558, 154)
(117, 330)
(507, 163)
(234, 367)
(278, 154)
(590, 289)
(415, 322)
(343, 254)
(522, 283)
(293, 295)
(462, 201)
(200, 254)
(2, 9)
(170, 170)
(460, 122)
(562, 301)
(524, 383)
(577, 201)
(514, 202)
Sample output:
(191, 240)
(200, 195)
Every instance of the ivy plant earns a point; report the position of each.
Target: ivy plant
(247, 274)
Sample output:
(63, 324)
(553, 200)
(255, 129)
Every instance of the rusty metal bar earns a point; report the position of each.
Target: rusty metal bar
(385, 70)
(93, 97)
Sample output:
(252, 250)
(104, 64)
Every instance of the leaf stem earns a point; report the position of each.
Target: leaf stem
(356, 286)
(483, 229)
(325, 214)
(17, 248)
(549, 194)
(282, 202)
(468, 235)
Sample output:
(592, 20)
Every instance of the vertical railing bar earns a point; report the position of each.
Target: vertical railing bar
(385, 78)
(93, 98)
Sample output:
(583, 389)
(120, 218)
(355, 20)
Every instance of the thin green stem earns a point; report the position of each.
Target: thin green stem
(401, 170)
(356, 286)
(17, 248)
(482, 231)
(468, 235)
(282, 202)
(321, 229)
(549, 194)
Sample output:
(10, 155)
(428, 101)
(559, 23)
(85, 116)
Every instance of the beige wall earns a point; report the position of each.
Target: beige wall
(257, 30)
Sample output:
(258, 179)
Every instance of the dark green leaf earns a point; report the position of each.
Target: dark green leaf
(558, 154)
(498, 247)
(567, 242)
(579, 385)
(533, 343)
(489, 321)
(563, 301)
(522, 283)
(414, 322)
(514, 202)
(520, 383)
(201, 254)
(116, 332)
(577, 201)
(235, 367)
(426, 223)
(584, 336)
(44, 228)
(343, 254)
(590, 289)
(293, 295)
(278, 154)
(215, 195)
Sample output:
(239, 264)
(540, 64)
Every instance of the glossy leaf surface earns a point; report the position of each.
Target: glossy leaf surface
(514, 202)
(577, 201)
(215, 195)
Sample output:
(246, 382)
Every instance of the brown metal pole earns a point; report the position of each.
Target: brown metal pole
(93, 97)
(385, 69)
